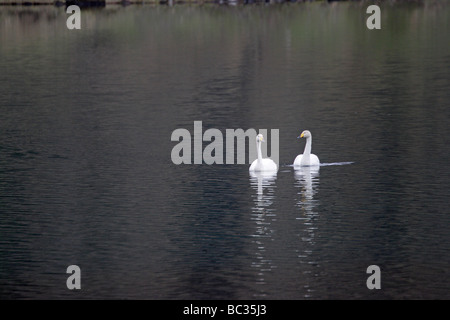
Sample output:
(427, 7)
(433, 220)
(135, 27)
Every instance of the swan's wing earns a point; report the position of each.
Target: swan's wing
(252, 166)
(314, 159)
(269, 165)
(298, 160)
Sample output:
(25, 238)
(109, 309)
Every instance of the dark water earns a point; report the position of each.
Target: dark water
(86, 176)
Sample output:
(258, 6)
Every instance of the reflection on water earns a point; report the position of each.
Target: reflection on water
(262, 180)
(263, 215)
(307, 183)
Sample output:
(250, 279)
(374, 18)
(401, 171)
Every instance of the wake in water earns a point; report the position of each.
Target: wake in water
(326, 164)
(336, 163)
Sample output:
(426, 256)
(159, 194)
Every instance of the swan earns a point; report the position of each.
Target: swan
(261, 164)
(307, 158)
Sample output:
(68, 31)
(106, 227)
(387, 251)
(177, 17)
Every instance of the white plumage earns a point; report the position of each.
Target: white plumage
(262, 164)
(307, 158)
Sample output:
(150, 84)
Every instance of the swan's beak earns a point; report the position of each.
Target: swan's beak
(301, 136)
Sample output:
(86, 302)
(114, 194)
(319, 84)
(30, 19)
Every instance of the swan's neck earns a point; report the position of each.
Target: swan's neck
(307, 151)
(258, 148)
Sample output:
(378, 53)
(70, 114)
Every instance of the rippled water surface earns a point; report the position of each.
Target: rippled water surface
(86, 175)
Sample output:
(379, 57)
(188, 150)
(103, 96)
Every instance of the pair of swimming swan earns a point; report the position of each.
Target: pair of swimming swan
(302, 160)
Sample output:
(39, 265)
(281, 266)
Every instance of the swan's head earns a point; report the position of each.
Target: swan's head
(305, 134)
(260, 138)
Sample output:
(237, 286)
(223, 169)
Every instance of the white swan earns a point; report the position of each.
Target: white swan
(261, 164)
(307, 158)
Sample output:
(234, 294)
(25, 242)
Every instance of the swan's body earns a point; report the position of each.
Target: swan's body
(262, 164)
(307, 158)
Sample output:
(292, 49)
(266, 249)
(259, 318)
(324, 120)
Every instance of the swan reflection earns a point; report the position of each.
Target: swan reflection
(263, 216)
(261, 180)
(307, 182)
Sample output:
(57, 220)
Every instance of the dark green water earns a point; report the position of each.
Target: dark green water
(86, 176)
